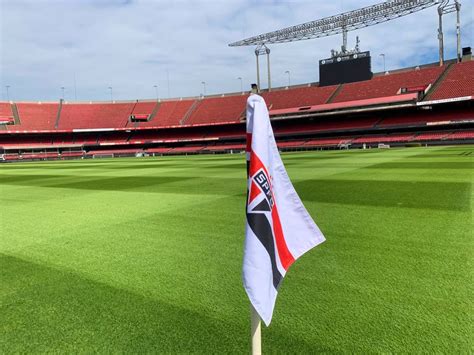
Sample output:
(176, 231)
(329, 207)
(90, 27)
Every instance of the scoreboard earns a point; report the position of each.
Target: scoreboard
(345, 69)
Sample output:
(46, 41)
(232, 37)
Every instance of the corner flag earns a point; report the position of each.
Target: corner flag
(279, 229)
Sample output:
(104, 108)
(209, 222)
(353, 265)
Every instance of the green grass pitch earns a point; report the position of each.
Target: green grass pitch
(144, 255)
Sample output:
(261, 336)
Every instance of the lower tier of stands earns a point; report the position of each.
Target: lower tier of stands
(449, 123)
(435, 137)
(456, 117)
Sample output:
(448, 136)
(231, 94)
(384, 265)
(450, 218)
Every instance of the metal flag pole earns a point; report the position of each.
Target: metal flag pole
(256, 332)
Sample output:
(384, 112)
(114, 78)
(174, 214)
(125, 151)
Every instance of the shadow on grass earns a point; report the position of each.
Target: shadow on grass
(44, 309)
(90, 182)
(430, 195)
(152, 184)
(423, 165)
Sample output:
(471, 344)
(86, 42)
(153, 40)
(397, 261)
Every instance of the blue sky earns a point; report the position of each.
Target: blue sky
(133, 45)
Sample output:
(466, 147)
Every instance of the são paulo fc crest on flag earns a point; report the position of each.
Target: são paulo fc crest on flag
(279, 229)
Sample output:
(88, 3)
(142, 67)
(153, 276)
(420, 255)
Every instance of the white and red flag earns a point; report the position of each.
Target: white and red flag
(279, 229)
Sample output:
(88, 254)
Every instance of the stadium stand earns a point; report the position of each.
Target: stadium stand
(327, 142)
(385, 138)
(143, 108)
(187, 149)
(431, 136)
(159, 150)
(224, 147)
(165, 135)
(298, 97)
(305, 117)
(295, 143)
(462, 135)
(11, 157)
(6, 110)
(347, 105)
(86, 139)
(36, 116)
(114, 138)
(72, 154)
(63, 139)
(388, 84)
(28, 141)
(459, 82)
(411, 119)
(96, 115)
(170, 113)
(219, 109)
(109, 152)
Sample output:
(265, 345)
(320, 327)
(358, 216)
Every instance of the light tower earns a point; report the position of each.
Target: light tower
(241, 84)
(262, 49)
(289, 77)
(445, 8)
(383, 56)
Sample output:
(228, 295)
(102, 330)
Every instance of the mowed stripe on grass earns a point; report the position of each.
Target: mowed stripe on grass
(136, 255)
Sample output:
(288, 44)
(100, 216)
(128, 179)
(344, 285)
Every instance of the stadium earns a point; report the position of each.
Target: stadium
(122, 220)
(428, 104)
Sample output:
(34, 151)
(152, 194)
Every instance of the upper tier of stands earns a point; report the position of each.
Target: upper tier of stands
(298, 97)
(388, 84)
(170, 113)
(142, 108)
(448, 81)
(97, 115)
(218, 109)
(36, 116)
(458, 82)
(6, 109)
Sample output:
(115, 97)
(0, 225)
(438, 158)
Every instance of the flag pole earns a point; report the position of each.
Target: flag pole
(256, 332)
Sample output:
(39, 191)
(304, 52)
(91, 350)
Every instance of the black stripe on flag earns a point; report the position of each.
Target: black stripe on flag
(260, 226)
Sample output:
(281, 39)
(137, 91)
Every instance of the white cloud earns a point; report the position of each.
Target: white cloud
(131, 45)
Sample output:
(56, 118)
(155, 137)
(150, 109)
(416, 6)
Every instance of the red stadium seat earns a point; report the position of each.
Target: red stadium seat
(96, 115)
(36, 116)
(219, 109)
(459, 82)
(298, 97)
(387, 85)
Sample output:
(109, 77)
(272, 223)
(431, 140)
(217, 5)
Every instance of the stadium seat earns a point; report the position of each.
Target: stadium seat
(96, 115)
(218, 109)
(431, 136)
(6, 111)
(170, 113)
(461, 135)
(459, 82)
(424, 118)
(36, 116)
(387, 85)
(298, 97)
(368, 112)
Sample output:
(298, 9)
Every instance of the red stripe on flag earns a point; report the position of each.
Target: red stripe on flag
(286, 258)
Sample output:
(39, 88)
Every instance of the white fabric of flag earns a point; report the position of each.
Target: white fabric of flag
(279, 228)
